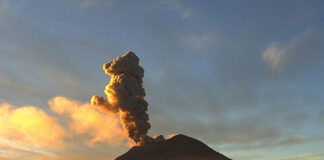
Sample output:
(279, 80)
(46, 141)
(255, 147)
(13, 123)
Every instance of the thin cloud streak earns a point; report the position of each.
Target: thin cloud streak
(308, 156)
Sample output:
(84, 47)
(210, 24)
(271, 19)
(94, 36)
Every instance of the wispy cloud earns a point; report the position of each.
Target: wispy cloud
(250, 157)
(308, 156)
(3, 8)
(321, 116)
(178, 6)
(89, 3)
(277, 55)
(96, 3)
(198, 41)
(271, 143)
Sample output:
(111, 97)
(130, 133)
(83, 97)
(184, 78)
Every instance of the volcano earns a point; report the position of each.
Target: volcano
(179, 147)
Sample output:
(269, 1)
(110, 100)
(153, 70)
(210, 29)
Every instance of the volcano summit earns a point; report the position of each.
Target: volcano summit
(179, 147)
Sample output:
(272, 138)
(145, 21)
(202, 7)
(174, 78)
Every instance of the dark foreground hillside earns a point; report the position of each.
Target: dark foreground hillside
(179, 147)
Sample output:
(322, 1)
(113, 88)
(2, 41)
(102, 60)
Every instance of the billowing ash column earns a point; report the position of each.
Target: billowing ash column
(125, 94)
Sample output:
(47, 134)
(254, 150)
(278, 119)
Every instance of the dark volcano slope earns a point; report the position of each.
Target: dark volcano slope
(179, 147)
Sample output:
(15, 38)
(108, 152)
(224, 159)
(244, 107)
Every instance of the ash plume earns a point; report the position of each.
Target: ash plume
(125, 95)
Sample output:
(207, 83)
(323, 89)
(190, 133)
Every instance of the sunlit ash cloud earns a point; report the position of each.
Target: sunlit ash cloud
(29, 125)
(85, 119)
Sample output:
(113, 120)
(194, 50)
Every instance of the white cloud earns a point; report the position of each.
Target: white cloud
(276, 56)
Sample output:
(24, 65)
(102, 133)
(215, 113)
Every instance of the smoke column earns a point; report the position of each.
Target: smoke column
(125, 95)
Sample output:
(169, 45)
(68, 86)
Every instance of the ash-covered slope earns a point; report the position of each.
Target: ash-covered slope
(179, 147)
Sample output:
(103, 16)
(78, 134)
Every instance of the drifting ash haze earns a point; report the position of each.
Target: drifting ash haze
(125, 95)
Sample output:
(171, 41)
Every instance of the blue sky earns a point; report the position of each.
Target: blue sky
(245, 77)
